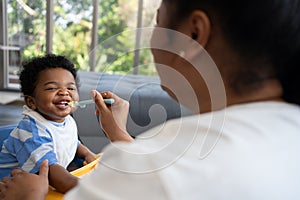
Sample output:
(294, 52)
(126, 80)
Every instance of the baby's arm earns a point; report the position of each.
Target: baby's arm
(61, 179)
(85, 153)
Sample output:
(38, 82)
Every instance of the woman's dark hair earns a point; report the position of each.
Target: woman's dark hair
(266, 33)
(31, 69)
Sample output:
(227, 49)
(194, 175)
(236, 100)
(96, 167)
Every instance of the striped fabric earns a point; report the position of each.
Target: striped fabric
(36, 139)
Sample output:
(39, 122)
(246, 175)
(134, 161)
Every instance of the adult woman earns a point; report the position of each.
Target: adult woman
(249, 152)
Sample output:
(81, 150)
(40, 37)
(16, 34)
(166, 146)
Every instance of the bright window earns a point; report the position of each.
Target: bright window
(24, 34)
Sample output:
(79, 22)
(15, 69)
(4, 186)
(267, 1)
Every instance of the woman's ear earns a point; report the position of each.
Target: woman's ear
(200, 27)
(30, 102)
(199, 30)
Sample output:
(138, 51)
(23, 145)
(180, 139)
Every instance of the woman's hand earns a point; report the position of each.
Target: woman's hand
(112, 118)
(25, 186)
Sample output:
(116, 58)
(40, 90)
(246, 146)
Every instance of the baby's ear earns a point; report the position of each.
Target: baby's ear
(30, 102)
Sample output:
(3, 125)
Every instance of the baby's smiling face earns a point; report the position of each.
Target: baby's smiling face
(55, 88)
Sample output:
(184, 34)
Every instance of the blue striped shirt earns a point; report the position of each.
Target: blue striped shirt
(36, 139)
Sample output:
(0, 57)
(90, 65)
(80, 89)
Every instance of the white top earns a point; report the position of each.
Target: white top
(247, 151)
(64, 137)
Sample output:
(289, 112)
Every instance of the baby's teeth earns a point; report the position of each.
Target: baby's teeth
(64, 103)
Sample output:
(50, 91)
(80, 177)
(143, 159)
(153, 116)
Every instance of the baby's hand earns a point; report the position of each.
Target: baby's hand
(90, 157)
(86, 154)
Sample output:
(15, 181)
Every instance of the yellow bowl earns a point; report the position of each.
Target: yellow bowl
(53, 195)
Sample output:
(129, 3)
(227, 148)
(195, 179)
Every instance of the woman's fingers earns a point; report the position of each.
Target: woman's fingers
(112, 118)
(98, 100)
(44, 169)
(106, 95)
(2, 190)
(21, 182)
(6, 180)
(15, 172)
(100, 104)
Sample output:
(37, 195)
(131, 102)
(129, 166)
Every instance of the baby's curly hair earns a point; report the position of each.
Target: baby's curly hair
(31, 69)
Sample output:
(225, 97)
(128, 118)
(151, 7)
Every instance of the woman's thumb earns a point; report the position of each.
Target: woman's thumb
(44, 169)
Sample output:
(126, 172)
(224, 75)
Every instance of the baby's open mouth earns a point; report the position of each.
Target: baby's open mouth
(62, 103)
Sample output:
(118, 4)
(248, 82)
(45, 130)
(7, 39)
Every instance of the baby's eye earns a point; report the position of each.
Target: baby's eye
(51, 88)
(72, 89)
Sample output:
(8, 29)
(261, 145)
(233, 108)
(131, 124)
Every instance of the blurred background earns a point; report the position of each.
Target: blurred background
(75, 28)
